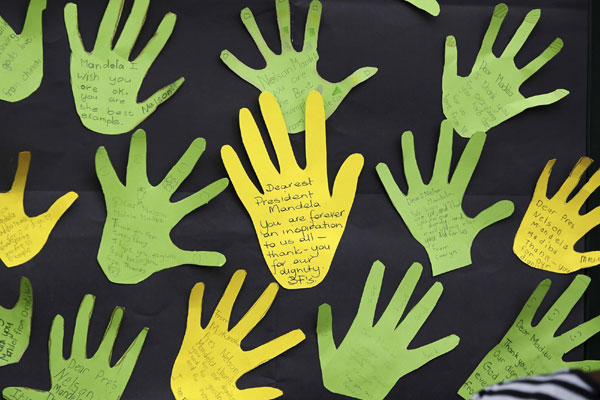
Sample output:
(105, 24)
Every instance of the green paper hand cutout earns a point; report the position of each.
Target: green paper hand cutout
(15, 326)
(374, 356)
(528, 350)
(105, 83)
(80, 377)
(490, 94)
(430, 6)
(433, 212)
(22, 56)
(292, 75)
(136, 242)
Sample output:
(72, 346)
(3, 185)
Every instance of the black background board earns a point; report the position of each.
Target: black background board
(479, 302)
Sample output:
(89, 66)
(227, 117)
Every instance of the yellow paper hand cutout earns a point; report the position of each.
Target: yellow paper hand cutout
(21, 236)
(211, 359)
(298, 222)
(552, 226)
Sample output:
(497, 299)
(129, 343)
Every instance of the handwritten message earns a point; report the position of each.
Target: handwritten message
(519, 355)
(298, 221)
(528, 350)
(75, 380)
(11, 334)
(21, 56)
(15, 326)
(136, 240)
(439, 224)
(105, 93)
(291, 83)
(374, 354)
(292, 75)
(490, 94)
(16, 236)
(482, 101)
(212, 368)
(552, 225)
(23, 237)
(433, 212)
(21, 73)
(105, 82)
(211, 359)
(80, 377)
(370, 370)
(546, 236)
(297, 233)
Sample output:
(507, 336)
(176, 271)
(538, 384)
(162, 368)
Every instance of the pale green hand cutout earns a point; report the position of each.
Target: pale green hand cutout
(528, 350)
(136, 240)
(22, 56)
(105, 83)
(490, 94)
(15, 326)
(80, 377)
(433, 212)
(430, 6)
(374, 356)
(292, 75)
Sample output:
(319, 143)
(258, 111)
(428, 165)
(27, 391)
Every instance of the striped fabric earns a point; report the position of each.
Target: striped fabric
(561, 385)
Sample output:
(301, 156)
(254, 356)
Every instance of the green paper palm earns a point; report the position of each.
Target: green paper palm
(490, 94)
(373, 356)
(105, 83)
(292, 75)
(15, 326)
(22, 55)
(433, 212)
(136, 242)
(80, 377)
(529, 350)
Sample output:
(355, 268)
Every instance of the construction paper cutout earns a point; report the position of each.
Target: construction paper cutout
(551, 226)
(374, 356)
(292, 75)
(211, 359)
(298, 222)
(80, 377)
(433, 212)
(490, 94)
(23, 237)
(105, 82)
(430, 6)
(528, 350)
(15, 326)
(22, 55)
(136, 240)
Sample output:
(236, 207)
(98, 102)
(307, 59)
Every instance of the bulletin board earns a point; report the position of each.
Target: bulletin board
(478, 303)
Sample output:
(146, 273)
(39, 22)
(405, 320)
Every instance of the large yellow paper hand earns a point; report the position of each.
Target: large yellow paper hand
(211, 359)
(552, 226)
(22, 237)
(299, 223)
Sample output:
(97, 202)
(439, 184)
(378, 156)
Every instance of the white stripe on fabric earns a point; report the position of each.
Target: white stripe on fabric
(496, 397)
(562, 376)
(548, 388)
